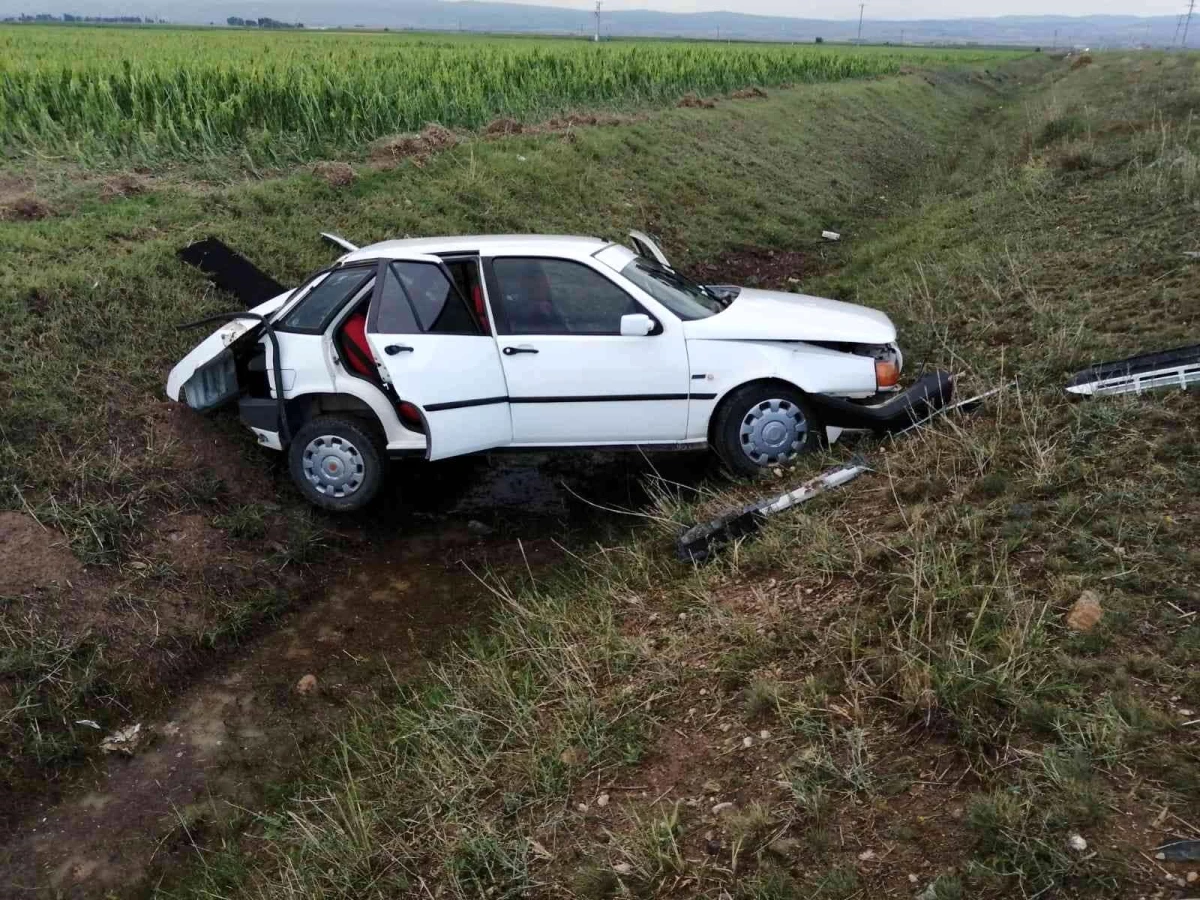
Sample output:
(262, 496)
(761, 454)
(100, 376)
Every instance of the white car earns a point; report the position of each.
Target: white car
(437, 347)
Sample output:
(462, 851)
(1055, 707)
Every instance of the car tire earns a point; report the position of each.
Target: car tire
(763, 425)
(337, 462)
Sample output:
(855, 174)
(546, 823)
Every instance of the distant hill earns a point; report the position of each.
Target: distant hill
(472, 15)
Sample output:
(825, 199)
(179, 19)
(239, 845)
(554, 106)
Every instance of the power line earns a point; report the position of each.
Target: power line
(1187, 22)
(597, 38)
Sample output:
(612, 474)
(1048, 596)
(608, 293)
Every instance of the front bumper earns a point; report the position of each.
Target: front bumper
(929, 394)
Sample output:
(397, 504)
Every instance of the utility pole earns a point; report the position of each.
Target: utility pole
(1187, 22)
(1178, 26)
(901, 37)
(597, 37)
(1055, 46)
(860, 15)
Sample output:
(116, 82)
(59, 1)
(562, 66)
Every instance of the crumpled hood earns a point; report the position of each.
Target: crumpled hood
(780, 316)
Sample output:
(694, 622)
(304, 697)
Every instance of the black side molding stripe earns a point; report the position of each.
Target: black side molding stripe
(459, 404)
(602, 398)
(609, 398)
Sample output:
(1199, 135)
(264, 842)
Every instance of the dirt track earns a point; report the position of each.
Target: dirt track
(246, 723)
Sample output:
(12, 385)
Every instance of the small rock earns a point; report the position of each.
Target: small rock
(764, 734)
(622, 868)
(747, 742)
(1193, 877)
(307, 684)
(725, 726)
(683, 617)
(1085, 612)
(866, 856)
(602, 800)
(912, 878)
(711, 787)
(582, 807)
(721, 807)
(476, 527)
(1077, 842)
(783, 848)
(1160, 856)
(1186, 713)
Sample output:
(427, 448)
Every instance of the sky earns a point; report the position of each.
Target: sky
(895, 9)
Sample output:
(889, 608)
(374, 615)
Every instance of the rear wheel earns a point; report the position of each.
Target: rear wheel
(763, 425)
(337, 462)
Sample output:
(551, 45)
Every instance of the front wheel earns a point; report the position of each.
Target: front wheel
(337, 462)
(762, 425)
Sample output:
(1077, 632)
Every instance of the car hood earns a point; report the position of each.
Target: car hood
(780, 316)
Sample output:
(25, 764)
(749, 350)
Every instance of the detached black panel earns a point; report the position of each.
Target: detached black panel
(929, 394)
(230, 271)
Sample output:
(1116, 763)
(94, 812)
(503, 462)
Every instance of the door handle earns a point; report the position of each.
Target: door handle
(512, 351)
(393, 349)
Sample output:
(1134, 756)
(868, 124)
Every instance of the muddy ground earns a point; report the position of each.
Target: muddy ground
(414, 570)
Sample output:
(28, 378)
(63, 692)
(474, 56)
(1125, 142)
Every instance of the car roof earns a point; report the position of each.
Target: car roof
(489, 244)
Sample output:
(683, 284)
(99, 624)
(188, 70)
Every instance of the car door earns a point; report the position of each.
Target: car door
(572, 377)
(439, 357)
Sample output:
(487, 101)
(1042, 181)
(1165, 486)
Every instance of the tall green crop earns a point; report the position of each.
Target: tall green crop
(159, 93)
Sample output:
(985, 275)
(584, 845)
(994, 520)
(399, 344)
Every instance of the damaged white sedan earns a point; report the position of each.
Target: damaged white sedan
(437, 347)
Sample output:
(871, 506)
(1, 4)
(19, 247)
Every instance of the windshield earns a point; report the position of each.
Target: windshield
(685, 298)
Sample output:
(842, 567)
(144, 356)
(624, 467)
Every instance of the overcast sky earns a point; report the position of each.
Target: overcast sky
(894, 9)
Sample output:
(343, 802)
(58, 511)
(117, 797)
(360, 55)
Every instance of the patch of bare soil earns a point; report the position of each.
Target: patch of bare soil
(334, 174)
(126, 184)
(252, 721)
(189, 443)
(753, 267)
(748, 93)
(691, 101)
(25, 208)
(33, 556)
(433, 139)
(503, 125)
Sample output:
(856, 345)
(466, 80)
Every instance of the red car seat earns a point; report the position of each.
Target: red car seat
(355, 349)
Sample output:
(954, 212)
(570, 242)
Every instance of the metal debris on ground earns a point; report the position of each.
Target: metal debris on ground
(831, 235)
(1180, 851)
(700, 542)
(90, 723)
(1166, 369)
(123, 740)
(230, 271)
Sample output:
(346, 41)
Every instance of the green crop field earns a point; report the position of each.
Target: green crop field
(97, 94)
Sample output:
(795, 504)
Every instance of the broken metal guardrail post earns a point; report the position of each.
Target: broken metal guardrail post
(700, 542)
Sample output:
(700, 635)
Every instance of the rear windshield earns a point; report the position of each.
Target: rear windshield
(317, 308)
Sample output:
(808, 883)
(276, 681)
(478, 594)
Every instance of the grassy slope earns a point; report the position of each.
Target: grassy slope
(882, 684)
(89, 302)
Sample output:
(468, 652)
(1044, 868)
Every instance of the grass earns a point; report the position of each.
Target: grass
(90, 297)
(99, 94)
(882, 683)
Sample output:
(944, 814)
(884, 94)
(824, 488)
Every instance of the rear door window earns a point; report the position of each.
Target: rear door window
(419, 296)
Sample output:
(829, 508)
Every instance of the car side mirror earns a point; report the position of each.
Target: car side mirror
(636, 325)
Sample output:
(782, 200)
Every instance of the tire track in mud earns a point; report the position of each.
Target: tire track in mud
(248, 725)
